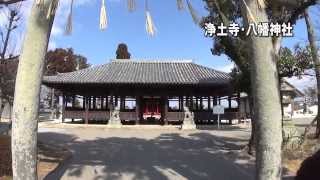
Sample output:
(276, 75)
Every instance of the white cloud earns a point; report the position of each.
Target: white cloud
(301, 83)
(16, 36)
(305, 81)
(25, 8)
(62, 14)
(52, 45)
(56, 31)
(227, 68)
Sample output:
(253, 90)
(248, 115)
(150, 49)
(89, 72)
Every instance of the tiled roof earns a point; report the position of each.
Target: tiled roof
(286, 86)
(9, 65)
(142, 72)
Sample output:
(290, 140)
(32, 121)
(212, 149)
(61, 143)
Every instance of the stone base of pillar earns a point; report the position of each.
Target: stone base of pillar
(115, 121)
(188, 127)
(115, 126)
(188, 121)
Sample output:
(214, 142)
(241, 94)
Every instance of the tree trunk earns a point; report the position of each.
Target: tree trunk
(52, 105)
(252, 144)
(7, 37)
(1, 106)
(281, 101)
(267, 108)
(27, 92)
(316, 62)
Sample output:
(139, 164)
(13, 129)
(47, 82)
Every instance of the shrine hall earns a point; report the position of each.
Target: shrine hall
(146, 92)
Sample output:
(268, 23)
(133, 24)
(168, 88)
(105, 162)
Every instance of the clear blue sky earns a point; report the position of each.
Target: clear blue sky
(177, 38)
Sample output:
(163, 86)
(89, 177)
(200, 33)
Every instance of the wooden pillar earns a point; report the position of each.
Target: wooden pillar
(292, 106)
(184, 103)
(86, 115)
(73, 104)
(65, 101)
(83, 103)
(73, 101)
(187, 101)
(122, 102)
(165, 110)
(94, 102)
(245, 107)
(180, 103)
(138, 109)
(209, 103)
(201, 104)
(63, 107)
(102, 102)
(238, 107)
(107, 105)
(197, 104)
(116, 101)
(89, 102)
(214, 100)
(229, 105)
(111, 101)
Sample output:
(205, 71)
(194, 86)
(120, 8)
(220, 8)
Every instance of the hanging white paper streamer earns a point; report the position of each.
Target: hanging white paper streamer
(103, 16)
(68, 30)
(131, 5)
(180, 4)
(193, 13)
(52, 8)
(150, 27)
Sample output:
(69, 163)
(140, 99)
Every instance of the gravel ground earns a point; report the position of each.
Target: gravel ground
(302, 123)
(100, 153)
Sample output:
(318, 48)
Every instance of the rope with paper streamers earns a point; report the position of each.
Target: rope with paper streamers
(103, 21)
(261, 4)
(193, 13)
(103, 16)
(68, 30)
(52, 8)
(180, 4)
(150, 27)
(131, 5)
(40, 3)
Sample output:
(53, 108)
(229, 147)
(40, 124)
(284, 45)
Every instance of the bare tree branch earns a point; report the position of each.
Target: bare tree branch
(8, 2)
(293, 4)
(301, 9)
(13, 16)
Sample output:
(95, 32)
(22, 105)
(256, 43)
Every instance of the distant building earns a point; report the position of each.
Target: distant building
(8, 70)
(146, 92)
(9, 64)
(289, 93)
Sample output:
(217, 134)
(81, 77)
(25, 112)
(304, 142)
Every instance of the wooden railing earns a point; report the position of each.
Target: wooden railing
(206, 117)
(175, 116)
(210, 118)
(92, 115)
(128, 116)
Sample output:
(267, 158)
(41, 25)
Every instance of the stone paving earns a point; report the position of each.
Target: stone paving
(100, 153)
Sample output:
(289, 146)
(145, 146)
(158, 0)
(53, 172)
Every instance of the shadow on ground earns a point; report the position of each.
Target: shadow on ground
(169, 156)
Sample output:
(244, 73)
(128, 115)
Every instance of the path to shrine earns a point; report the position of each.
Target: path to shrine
(100, 153)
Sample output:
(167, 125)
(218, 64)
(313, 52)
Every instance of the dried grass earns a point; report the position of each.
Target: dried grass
(49, 157)
(292, 158)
